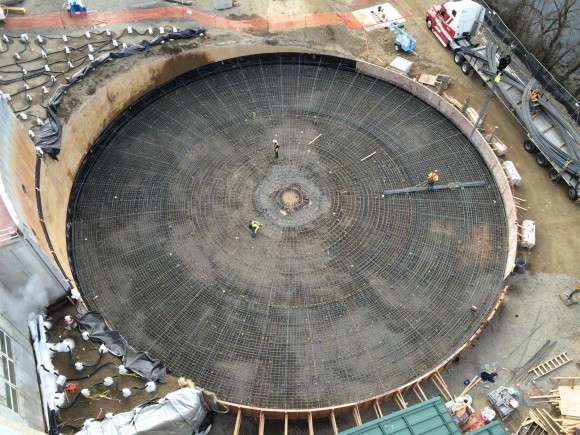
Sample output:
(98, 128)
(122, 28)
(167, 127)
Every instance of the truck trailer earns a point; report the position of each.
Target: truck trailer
(553, 138)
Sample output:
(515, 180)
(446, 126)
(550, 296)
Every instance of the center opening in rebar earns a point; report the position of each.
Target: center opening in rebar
(290, 198)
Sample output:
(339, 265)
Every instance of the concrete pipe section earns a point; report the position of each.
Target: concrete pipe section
(342, 294)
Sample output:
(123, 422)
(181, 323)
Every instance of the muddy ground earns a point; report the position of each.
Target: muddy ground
(532, 312)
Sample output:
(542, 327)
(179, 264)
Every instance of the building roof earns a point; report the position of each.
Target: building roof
(425, 418)
(494, 428)
(430, 417)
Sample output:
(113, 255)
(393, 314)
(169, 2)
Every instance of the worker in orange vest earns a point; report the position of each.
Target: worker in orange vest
(432, 178)
(533, 99)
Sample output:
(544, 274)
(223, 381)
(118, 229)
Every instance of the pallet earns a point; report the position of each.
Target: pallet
(436, 81)
(550, 365)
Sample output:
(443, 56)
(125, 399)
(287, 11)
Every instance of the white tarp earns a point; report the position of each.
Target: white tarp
(180, 412)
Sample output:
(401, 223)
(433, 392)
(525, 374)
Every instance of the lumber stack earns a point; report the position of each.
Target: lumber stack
(566, 400)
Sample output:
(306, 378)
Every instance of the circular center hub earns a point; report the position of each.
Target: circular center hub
(291, 198)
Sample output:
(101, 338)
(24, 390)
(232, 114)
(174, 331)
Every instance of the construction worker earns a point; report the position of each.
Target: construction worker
(432, 178)
(533, 99)
(276, 146)
(254, 227)
(570, 297)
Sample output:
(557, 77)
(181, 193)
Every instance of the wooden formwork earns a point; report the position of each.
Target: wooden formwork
(354, 408)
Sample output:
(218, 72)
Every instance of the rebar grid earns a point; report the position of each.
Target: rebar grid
(344, 298)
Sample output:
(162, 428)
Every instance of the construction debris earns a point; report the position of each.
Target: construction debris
(531, 427)
(564, 398)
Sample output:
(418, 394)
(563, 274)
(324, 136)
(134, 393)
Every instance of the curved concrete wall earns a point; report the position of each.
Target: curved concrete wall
(88, 120)
(95, 113)
(17, 166)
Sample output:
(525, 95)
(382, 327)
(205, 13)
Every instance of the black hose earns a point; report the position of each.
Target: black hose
(92, 373)
(178, 2)
(99, 360)
(22, 110)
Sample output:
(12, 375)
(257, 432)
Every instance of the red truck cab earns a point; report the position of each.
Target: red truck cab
(454, 21)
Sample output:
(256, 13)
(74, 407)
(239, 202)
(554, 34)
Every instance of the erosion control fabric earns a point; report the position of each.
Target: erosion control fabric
(49, 137)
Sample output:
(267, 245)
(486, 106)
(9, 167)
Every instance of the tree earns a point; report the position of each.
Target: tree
(548, 29)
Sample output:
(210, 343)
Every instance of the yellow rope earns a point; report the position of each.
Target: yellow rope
(105, 395)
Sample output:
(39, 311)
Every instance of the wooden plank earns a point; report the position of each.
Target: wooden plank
(545, 422)
(401, 400)
(313, 140)
(534, 418)
(286, 424)
(262, 424)
(369, 156)
(419, 393)
(472, 384)
(16, 10)
(548, 417)
(238, 422)
(378, 410)
(427, 79)
(333, 422)
(356, 415)
(310, 424)
(442, 387)
(569, 402)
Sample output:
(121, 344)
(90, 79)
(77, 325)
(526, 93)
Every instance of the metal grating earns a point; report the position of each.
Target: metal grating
(347, 296)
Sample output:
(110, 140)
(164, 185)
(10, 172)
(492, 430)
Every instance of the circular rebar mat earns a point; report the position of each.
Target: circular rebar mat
(342, 294)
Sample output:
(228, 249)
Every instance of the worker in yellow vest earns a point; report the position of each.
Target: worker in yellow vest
(432, 178)
(254, 227)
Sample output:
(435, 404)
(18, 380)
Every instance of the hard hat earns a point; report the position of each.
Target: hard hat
(435, 171)
(274, 141)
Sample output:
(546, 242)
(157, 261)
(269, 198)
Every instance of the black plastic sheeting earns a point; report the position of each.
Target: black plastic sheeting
(141, 363)
(49, 137)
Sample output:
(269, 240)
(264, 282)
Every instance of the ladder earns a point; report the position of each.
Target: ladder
(550, 365)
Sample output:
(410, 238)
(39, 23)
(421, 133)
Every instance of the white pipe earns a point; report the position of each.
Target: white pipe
(35, 324)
